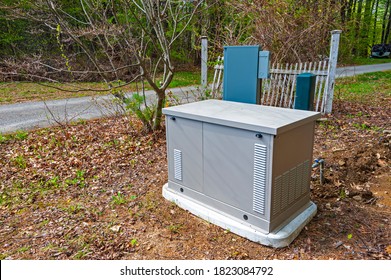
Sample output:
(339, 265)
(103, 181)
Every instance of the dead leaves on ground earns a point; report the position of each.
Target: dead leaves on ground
(93, 191)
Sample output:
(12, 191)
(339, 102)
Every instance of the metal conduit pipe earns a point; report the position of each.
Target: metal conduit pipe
(319, 162)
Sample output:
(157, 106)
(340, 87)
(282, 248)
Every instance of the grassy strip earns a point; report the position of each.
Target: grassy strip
(15, 92)
(349, 88)
(357, 61)
(361, 87)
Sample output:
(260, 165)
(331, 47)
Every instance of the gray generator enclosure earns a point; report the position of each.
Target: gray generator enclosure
(245, 164)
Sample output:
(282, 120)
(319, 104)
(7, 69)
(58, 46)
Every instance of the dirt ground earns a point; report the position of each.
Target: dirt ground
(93, 191)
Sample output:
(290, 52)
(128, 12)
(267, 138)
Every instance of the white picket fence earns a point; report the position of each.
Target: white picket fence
(279, 89)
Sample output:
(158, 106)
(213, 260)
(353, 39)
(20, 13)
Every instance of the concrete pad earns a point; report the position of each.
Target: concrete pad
(277, 239)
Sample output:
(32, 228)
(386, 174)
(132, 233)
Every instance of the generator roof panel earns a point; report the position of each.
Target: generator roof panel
(265, 119)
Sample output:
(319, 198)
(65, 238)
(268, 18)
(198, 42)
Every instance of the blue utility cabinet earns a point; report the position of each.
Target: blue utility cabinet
(244, 67)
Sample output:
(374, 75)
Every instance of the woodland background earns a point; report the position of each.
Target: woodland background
(294, 30)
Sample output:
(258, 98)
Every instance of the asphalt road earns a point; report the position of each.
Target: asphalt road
(357, 70)
(30, 115)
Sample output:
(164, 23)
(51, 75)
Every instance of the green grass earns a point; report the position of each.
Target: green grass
(78, 180)
(366, 61)
(182, 79)
(20, 162)
(351, 88)
(14, 92)
(362, 87)
(118, 199)
(18, 135)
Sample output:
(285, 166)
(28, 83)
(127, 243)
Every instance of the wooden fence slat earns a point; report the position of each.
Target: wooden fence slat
(274, 87)
(214, 78)
(291, 97)
(278, 87)
(317, 85)
(321, 86)
(265, 96)
(289, 85)
(283, 86)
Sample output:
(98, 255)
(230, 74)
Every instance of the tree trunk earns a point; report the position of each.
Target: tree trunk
(159, 107)
(343, 11)
(388, 29)
(364, 34)
(384, 26)
(375, 22)
(350, 6)
(356, 31)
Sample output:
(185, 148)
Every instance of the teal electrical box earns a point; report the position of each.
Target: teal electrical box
(305, 91)
(241, 81)
(264, 65)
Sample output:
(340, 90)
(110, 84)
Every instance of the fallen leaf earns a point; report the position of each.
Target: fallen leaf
(339, 243)
(382, 163)
(341, 162)
(115, 228)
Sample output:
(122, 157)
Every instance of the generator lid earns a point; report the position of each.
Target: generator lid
(265, 119)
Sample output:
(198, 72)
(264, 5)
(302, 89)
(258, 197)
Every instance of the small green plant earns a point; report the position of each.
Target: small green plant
(43, 223)
(362, 126)
(3, 198)
(54, 142)
(113, 143)
(21, 135)
(118, 199)
(350, 236)
(74, 208)
(137, 105)
(133, 162)
(81, 121)
(20, 161)
(175, 228)
(79, 180)
(133, 242)
(376, 128)
(205, 94)
(81, 254)
(342, 193)
(53, 182)
(24, 249)
(49, 247)
(3, 138)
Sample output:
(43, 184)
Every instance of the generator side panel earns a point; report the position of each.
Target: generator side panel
(292, 159)
(184, 152)
(236, 172)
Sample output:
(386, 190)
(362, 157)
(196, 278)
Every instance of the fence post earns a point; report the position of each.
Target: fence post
(204, 62)
(335, 35)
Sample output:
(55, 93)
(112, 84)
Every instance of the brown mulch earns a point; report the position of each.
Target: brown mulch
(93, 191)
